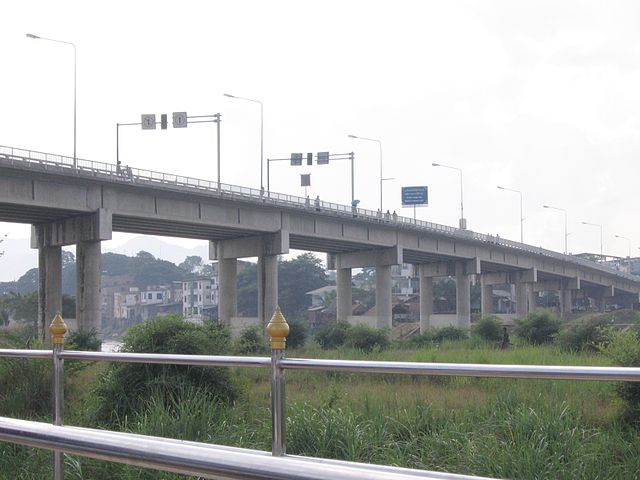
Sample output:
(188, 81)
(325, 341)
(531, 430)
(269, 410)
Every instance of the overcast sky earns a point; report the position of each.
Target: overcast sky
(541, 97)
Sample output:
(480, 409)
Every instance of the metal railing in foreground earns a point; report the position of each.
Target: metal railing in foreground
(206, 459)
(108, 171)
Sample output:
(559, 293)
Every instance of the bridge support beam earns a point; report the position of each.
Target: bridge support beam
(384, 313)
(463, 296)
(426, 301)
(267, 287)
(88, 271)
(228, 293)
(382, 259)
(49, 288)
(86, 231)
(344, 296)
(266, 247)
(486, 297)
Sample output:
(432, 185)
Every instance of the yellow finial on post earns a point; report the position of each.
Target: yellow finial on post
(58, 329)
(278, 329)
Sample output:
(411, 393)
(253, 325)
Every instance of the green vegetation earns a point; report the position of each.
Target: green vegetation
(488, 328)
(538, 327)
(504, 428)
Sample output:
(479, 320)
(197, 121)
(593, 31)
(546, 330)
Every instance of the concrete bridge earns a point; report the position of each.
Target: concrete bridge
(83, 205)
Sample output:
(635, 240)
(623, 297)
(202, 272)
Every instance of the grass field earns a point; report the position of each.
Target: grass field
(503, 428)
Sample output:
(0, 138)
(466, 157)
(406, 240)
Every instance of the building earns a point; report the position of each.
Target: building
(199, 299)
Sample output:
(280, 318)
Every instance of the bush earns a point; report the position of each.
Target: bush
(448, 333)
(84, 340)
(624, 350)
(298, 332)
(488, 328)
(587, 335)
(421, 340)
(123, 389)
(367, 339)
(537, 327)
(251, 342)
(333, 335)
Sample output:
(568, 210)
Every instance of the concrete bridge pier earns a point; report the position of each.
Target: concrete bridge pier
(228, 290)
(344, 295)
(49, 288)
(88, 271)
(463, 296)
(486, 296)
(267, 287)
(86, 232)
(426, 300)
(384, 312)
(382, 259)
(266, 247)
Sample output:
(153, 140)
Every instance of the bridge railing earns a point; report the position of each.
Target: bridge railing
(126, 174)
(212, 460)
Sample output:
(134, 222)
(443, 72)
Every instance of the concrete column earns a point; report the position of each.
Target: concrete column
(463, 296)
(267, 287)
(343, 294)
(486, 297)
(521, 300)
(49, 288)
(88, 270)
(532, 297)
(566, 302)
(383, 296)
(228, 290)
(426, 302)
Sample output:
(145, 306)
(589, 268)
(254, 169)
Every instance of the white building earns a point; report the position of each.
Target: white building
(199, 298)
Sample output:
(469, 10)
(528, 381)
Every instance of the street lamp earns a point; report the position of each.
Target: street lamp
(628, 242)
(566, 235)
(521, 217)
(600, 227)
(463, 221)
(36, 37)
(380, 147)
(261, 133)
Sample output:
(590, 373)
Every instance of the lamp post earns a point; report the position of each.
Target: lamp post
(600, 227)
(36, 37)
(261, 133)
(463, 221)
(628, 243)
(521, 217)
(566, 234)
(380, 147)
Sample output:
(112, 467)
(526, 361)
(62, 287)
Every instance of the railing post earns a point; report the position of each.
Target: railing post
(58, 330)
(277, 329)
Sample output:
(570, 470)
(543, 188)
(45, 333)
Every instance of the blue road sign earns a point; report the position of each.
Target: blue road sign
(415, 196)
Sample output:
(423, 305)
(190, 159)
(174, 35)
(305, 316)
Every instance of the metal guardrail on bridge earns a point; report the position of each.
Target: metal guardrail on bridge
(58, 163)
(214, 460)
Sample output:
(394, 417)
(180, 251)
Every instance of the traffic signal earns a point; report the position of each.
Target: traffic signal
(309, 158)
(163, 121)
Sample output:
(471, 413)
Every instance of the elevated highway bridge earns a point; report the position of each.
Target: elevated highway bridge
(83, 205)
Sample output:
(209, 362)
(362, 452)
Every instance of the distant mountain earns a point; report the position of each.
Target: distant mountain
(160, 249)
(17, 259)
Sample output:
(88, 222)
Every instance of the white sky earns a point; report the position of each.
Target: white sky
(538, 96)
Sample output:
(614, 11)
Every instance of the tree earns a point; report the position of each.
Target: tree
(247, 283)
(192, 265)
(296, 277)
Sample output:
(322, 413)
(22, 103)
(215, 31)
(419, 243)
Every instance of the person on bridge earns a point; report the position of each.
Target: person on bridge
(395, 216)
(387, 216)
(307, 202)
(317, 202)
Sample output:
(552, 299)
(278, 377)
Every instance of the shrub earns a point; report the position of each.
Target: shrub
(624, 350)
(251, 342)
(587, 335)
(488, 328)
(124, 388)
(333, 335)
(298, 332)
(421, 340)
(367, 339)
(448, 333)
(85, 340)
(538, 327)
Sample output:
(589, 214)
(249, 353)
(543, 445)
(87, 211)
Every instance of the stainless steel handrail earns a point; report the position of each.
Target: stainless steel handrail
(191, 458)
(166, 359)
(62, 164)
